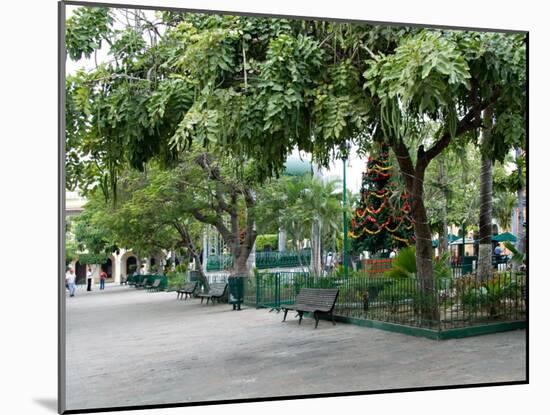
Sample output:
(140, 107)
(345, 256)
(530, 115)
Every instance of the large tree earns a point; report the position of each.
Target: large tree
(450, 78)
(260, 87)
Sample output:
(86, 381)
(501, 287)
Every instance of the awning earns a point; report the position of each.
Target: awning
(503, 237)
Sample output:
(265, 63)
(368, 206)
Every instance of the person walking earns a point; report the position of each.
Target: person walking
(102, 278)
(89, 279)
(70, 280)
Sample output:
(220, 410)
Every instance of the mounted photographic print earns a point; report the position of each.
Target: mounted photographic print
(262, 208)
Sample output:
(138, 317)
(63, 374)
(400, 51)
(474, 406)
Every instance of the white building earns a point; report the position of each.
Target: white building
(119, 264)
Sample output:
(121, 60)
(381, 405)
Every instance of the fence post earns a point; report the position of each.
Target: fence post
(257, 290)
(278, 289)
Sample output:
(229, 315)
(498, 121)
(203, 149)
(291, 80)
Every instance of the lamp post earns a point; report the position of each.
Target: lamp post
(345, 217)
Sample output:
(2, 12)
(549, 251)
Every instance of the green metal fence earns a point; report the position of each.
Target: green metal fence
(451, 303)
(219, 262)
(286, 259)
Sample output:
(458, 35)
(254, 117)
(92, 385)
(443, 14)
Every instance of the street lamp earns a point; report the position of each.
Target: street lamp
(345, 215)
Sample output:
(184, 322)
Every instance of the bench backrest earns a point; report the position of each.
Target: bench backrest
(156, 283)
(217, 289)
(324, 298)
(189, 286)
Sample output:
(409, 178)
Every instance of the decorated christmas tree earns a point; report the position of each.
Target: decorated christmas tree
(381, 221)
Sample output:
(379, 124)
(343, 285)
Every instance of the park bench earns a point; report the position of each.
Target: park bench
(142, 283)
(217, 291)
(314, 300)
(154, 286)
(188, 289)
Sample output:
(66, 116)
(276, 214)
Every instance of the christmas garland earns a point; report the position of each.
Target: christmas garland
(379, 167)
(369, 210)
(380, 227)
(399, 239)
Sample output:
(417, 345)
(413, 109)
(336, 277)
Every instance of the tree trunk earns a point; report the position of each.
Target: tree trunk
(316, 248)
(486, 204)
(281, 245)
(241, 249)
(414, 180)
(424, 254)
(316, 234)
(202, 276)
(443, 227)
(187, 242)
(240, 267)
(442, 246)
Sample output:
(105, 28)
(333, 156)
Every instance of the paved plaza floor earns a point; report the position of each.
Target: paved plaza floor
(130, 347)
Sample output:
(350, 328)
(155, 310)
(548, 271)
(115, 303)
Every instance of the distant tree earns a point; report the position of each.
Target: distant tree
(295, 203)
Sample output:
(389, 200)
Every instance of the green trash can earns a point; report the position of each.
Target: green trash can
(236, 291)
(467, 263)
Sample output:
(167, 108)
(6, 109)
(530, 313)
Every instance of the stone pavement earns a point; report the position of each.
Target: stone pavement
(130, 347)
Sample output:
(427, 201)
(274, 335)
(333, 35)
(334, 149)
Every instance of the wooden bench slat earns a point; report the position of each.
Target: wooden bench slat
(217, 290)
(315, 300)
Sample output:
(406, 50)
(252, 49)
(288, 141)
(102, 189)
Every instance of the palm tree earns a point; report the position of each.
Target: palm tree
(296, 204)
(503, 208)
(485, 202)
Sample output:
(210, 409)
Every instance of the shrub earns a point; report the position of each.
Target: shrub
(404, 265)
(488, 296)
(268, 240)
(175, 279)
(182, 267)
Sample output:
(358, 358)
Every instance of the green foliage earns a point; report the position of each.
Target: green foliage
(452, 187)
(175, 280)
(86, 29)
(425, 72)
(182, 267)
(294, 203)
(442, 270)
(517, 256)
(490, 296)
(504, 204)
(258, 88)
(71, 249)
(91, 258)
(404, 265)
(90, 234)
(266, 240)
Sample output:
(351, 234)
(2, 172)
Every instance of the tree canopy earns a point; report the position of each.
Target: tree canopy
(257, 88)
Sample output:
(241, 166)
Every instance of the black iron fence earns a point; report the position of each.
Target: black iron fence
(447, 303)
